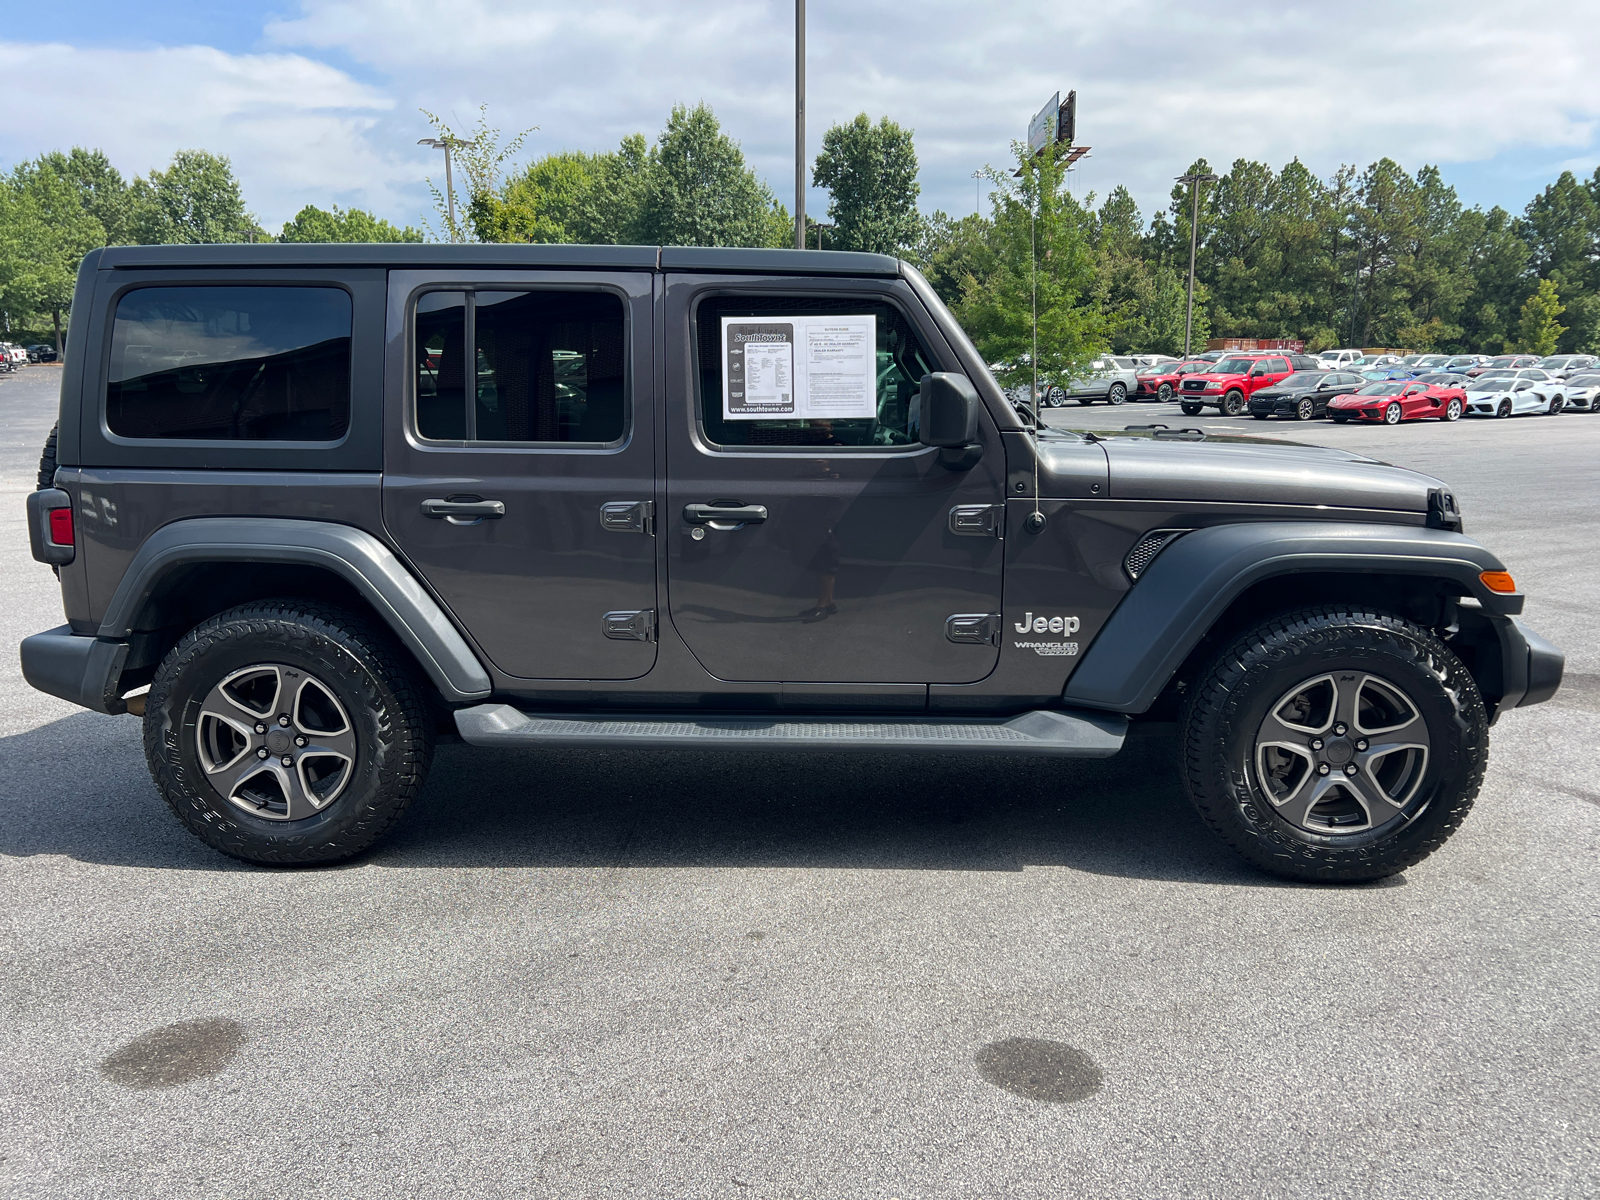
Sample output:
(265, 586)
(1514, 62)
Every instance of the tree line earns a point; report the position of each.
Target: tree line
(1373, 257)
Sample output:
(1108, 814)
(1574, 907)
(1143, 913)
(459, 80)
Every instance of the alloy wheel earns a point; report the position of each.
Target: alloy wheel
(1164, 392)
(1391, 414)
(275, 742)
(1342, 753)
(1452, 411)
(1305, 410)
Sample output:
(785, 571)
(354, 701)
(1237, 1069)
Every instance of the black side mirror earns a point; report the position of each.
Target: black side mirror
(949, 410)
(949, 419)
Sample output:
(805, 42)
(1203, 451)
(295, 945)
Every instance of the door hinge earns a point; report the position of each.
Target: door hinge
(628, 516)
(978, 520)
(635, 625)
(981, 629)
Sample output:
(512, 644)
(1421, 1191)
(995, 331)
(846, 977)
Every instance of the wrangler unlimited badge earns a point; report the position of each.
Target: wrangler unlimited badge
(1060, 626)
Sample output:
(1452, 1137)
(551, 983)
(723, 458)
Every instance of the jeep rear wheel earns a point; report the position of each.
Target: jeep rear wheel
(1335, 745)
(1233, 403)
(286, 732)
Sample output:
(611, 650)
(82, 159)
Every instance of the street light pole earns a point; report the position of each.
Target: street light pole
(800, 125)
(1194, 182)
(449, 185)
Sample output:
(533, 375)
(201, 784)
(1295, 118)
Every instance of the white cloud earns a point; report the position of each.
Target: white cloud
(297, 130)
(1159, 83)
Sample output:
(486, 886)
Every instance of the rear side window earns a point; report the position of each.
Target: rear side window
(231, 364)
(869, 361)
(544, 366)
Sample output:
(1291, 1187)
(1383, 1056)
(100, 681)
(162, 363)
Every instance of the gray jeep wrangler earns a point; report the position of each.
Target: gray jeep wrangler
(314, 507)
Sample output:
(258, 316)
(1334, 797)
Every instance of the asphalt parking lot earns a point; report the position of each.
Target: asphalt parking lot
(695, 975)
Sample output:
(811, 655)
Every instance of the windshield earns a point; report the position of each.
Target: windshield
(1585, 380)
(1503, 360)
(1559, 360)
(1234, 366)
(1495, 377)
(1303, 379)
(1389, 387)
(1442, 378)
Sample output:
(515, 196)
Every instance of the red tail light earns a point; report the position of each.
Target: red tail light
(61, 527)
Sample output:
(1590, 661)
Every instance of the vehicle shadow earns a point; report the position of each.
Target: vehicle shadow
(78, 788)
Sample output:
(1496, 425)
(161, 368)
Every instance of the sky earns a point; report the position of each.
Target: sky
(316, 101)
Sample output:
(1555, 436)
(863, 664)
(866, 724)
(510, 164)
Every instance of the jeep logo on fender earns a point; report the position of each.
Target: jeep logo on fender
(1062, 625)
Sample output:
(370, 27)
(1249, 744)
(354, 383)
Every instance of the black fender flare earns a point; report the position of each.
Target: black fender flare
(355, 555)
(1194, 579)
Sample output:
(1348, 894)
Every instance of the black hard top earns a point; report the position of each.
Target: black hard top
(416, 254)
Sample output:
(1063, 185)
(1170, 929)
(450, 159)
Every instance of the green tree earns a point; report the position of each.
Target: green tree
(870, 172)
(954, 254)
(44, 234)
(699, 192)
(313, 224)
(195, 200)
(541, 203)
(1042, 262)
(101, 189)
(474, 177)
(1537, 329)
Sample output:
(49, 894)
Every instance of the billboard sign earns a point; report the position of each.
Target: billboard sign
(1042, 129)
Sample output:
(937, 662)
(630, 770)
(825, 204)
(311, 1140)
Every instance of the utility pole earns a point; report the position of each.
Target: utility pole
(449, 186)
(976, 176)
(800, 125)
(1194, 182)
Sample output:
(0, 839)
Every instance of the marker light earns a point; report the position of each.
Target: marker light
(1498, 581)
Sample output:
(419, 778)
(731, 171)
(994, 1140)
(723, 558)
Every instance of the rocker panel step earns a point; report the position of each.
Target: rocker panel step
(1076, 734)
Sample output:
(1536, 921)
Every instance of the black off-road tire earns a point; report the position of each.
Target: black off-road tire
(377, 687)
(1192, 410)
(47, 460)
(1233, 403)
(1225, 709)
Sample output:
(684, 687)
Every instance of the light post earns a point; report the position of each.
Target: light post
(449, 186)
(976, 176)
(1194, 182)
(799, 124)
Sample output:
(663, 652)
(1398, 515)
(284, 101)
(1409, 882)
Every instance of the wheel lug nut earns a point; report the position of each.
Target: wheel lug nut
(261, 753)
(1316, 743)
(1322, 768)
(261, 728)
(1339, 729)
(287, 761)
(1351, 769)
(1362, 744)
(300, 741)
(285, 721)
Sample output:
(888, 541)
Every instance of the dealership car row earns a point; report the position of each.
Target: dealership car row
(1343, 385)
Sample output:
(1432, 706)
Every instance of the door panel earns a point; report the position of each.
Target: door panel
(853, 570)
(532, 587)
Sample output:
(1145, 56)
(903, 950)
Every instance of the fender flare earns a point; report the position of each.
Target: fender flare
(354, 555)
(1191, 583)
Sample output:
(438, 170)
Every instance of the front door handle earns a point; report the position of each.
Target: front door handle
(463, 512)
(718, 515)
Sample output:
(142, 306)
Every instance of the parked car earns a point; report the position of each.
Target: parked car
(43, 352)
(1428, 362)
(1215, 355)
(1378, 374)
(1465, 362)
(298, 586)
(1376, 360)
(1444, 378)
(15, 355)
(1583, 391)
(1145, 361)
(1510, 374)
(1514, 396)
(1229, 385)
(1159, 383)
(1108, 378)
(1501, 362)
(1394, 400)
(1303, 395)
(1562, 365)
(1338, 360)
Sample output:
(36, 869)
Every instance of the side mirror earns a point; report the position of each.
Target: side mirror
(949, 410)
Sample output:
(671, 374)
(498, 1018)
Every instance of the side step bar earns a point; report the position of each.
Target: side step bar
(1081, 733)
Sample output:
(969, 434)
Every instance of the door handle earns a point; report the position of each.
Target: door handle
(718, 515)
(463, 512)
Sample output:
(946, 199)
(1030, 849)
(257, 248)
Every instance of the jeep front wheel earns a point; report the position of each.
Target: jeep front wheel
(287, 732)
(1233, 403)
(1335, 745)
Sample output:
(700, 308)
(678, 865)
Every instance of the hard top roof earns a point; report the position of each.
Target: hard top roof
(418, 254)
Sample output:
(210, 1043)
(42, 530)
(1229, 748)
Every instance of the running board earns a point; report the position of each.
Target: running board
(1081, 733)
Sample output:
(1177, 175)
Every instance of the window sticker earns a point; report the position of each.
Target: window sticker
(800, 367)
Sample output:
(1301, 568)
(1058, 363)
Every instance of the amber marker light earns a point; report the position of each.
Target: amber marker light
(1498, 581)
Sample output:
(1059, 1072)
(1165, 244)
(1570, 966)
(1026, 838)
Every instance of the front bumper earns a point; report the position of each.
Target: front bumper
(84, 670)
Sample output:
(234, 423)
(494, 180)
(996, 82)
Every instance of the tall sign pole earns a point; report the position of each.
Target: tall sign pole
(1194, 182)
(799, 124)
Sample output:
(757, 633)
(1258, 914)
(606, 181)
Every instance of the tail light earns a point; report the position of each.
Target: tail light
(61, 532)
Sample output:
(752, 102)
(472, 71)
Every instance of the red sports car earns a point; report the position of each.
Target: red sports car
(1160, 381)
(1391, 401)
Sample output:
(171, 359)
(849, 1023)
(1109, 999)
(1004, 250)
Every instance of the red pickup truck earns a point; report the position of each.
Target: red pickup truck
(1229, 385)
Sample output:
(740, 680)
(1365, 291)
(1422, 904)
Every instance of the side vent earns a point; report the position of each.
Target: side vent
(1146, 548)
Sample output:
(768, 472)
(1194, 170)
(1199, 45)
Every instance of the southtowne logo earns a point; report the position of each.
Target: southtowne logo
(1063, 627)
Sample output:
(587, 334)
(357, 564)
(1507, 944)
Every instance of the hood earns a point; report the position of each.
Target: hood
(1260, 472)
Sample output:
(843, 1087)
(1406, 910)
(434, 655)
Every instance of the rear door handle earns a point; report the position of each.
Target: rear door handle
(463, 512)
(718, 514)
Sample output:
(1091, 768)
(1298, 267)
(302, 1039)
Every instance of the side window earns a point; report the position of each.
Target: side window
(520, 366)
(869, 361)
(223, 363)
